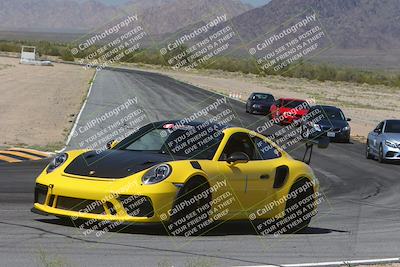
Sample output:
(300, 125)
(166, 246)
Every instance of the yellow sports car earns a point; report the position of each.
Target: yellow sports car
(186, 175)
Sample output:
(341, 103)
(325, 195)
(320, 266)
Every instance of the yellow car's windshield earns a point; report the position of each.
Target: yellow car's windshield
(189, 141)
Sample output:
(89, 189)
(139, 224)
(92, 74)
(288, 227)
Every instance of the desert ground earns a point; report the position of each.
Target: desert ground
(365, 104)
(38, 104)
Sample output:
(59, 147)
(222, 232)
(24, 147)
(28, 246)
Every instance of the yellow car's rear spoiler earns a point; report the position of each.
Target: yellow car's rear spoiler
(322, 142)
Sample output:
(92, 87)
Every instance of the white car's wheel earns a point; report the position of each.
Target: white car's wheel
(381, 157)
(367, 151)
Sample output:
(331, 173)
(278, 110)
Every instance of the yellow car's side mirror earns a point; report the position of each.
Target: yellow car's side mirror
(238, 157)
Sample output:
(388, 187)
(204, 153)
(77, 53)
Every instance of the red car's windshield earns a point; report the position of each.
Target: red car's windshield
(295, 104)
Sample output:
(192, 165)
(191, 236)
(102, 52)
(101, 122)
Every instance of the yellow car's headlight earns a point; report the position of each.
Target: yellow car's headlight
(157, 174)
(57, 162)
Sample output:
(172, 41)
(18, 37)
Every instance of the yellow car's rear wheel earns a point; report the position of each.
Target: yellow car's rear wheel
(299, 209)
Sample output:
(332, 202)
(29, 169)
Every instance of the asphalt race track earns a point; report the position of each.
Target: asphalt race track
(359, 220)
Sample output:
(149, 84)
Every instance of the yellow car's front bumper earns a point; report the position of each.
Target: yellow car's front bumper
(123, 200)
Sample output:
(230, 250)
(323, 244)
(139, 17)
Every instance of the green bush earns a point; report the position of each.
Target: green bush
(66, 55)
(301, 69)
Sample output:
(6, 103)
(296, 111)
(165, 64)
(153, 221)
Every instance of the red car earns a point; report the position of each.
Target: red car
(288, 110)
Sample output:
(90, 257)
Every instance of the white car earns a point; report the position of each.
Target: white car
(384, 141)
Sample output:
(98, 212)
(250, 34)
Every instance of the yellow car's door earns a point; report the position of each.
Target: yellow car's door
(226, 202)
(252, 182)
(239, 176)
(266, 161)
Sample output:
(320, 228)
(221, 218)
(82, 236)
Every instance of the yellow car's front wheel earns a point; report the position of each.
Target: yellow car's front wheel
(191, 210)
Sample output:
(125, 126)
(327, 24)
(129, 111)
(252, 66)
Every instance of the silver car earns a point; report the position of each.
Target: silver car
(384, 141)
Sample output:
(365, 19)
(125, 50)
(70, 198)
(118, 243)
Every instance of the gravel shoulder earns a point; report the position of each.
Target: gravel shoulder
(38, 104)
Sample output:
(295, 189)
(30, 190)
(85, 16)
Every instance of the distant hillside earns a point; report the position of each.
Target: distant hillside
(160, 16)
(181, 13)
(53, 14)
(352, 24)
(363, 33)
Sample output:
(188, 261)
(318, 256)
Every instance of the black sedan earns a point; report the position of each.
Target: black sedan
(259, 103)
(328, 121)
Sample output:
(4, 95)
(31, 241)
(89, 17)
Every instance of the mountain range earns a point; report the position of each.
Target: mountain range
(161, 16)
(373, 24)
(351, 24)
(362, 32)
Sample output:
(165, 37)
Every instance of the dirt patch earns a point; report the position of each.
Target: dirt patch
(38, 104)
(366, 105)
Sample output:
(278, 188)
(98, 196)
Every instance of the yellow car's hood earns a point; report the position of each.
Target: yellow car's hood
(114, 164)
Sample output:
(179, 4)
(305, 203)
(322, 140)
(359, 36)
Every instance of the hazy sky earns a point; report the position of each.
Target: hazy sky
(252, 2)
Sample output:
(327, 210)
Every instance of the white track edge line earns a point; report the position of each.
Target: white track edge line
(333, 263)
(387, 260)
(79, 114)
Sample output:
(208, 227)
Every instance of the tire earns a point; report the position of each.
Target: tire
(367, 154)
(247, 110)
(293, 206)
(187, 193)
(381, 159)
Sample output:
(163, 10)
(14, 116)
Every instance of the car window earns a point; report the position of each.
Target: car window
(239, 142)
(265, 150)
(379, 127)
(314, 113)
(392, 126)
(332, 114)
(263, 97)
(152, 141)
(176, 142)
(270, 98)
(295, 104)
